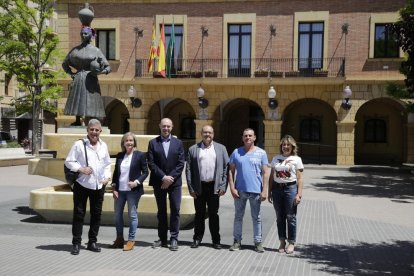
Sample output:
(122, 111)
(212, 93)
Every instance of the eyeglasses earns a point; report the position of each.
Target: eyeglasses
(94, 130)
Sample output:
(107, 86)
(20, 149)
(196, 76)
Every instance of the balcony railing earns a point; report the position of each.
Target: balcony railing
(247, 68)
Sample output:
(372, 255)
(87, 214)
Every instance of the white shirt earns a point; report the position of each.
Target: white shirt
(98, 159)
(286, 167)
(124, 176)
(207, 162)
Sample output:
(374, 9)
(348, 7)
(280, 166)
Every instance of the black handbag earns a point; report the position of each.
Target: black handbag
(71, 176)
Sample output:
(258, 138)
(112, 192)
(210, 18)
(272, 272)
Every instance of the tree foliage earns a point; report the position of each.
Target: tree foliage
(28, 47)
(403, 30)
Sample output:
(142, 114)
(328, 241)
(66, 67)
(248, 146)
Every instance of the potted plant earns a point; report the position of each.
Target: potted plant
(261, 73)
(196, 74)
(294, 73)
(210, 73)
(183, 74)
(320, 73)
(276, 74)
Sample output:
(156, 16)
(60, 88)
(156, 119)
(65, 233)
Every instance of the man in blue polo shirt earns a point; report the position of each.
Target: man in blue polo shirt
(251, 164)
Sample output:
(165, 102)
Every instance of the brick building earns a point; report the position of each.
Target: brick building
(308, 51)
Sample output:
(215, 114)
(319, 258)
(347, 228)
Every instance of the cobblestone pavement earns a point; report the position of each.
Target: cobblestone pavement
(349, 223)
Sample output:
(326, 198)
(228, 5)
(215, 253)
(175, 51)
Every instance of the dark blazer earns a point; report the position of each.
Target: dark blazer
(138, 169)
(193, 171)
(160, 165)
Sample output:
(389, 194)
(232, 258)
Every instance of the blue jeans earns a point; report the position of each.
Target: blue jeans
(132, 197)
(285, 207)
(240, 206)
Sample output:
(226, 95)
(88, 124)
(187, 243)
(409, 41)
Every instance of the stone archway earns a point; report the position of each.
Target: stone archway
(180, 112)
(117, 116)
(239, 114)
(379, 133)
(312, 123)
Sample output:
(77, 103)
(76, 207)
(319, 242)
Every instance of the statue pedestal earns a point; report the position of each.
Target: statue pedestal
(55, 203)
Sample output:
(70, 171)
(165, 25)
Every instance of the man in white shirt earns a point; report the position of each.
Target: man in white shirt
(206, 173)
(94, 167)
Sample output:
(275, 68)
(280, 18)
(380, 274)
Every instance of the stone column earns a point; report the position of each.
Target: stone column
(272, 137)
(345, 152)
(138, 126)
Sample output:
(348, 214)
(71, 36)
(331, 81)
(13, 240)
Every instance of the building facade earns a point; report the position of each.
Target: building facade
(228, 54)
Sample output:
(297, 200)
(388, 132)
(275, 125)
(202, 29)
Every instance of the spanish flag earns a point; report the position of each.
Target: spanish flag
(161, 52)
(153, 49)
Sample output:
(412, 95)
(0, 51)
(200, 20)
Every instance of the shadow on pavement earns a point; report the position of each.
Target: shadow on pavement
(361, 259)
(57, 247)
(395, 186)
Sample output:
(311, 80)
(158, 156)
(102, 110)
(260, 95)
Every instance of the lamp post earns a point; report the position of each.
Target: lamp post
(204, 33)
(132, 94)
(202, 103)
(273, 103)
(346, 94)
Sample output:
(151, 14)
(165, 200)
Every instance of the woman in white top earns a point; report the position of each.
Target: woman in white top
(285, 191)
(130, 172)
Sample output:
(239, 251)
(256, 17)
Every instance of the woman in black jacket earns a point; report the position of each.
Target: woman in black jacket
(130, 172)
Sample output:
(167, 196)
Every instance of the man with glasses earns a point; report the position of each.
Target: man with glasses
(206, 173)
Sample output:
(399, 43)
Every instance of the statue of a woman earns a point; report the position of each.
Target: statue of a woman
(85, 94)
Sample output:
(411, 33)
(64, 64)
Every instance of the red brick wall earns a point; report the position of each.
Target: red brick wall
(279, 13)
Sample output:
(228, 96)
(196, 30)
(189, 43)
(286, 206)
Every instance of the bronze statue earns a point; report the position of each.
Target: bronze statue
(84, 93)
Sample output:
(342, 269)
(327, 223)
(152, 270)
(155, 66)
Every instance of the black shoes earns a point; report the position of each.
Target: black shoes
(93, 247)
(195, 244)
(173, 245)
(160, 243)
(216, 245)
(75, 249)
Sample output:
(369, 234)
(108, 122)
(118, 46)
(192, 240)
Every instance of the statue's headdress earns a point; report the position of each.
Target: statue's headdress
(86, 15)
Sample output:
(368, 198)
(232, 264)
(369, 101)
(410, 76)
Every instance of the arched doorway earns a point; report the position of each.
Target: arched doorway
(239, 114)
(379, 133)
(180, 112)
(117, 115)
(312, 123)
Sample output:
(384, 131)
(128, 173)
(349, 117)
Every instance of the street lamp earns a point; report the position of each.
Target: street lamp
(202, 102)
(346, 94)
(132, 94)
(271, 94)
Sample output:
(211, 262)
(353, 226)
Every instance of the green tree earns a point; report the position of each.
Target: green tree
(403, 30)
(28, 47)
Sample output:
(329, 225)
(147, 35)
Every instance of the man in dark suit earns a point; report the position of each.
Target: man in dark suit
(206, 173)
(166, 161)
